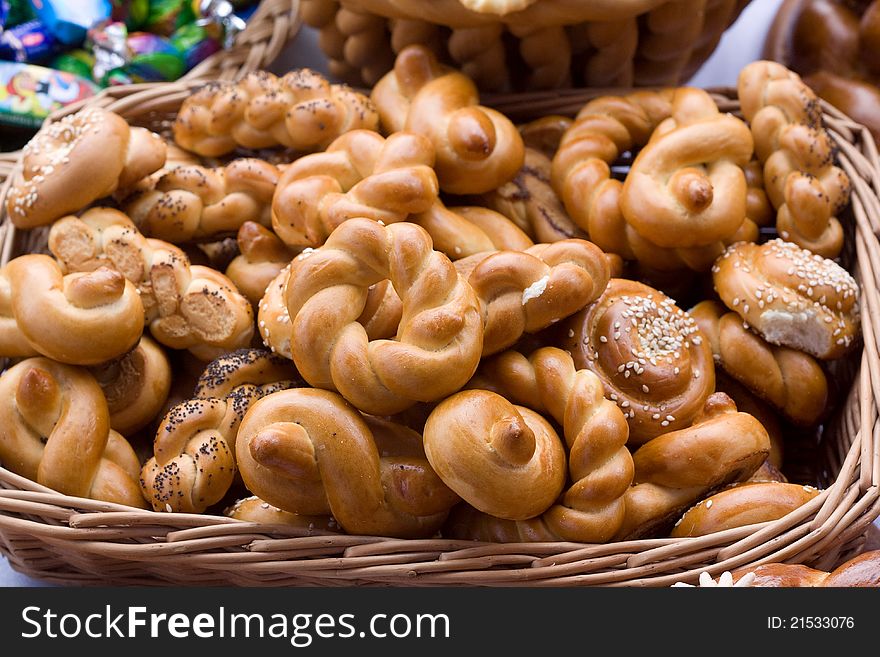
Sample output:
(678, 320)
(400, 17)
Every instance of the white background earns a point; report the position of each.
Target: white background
(741, 44)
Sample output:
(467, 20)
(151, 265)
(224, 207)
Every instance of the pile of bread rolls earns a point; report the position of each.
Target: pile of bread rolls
(400, 314)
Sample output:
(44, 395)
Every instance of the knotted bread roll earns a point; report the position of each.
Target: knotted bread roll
(591, 508)
(477, 148)
(791, 296)
(197, 203)
(300, 110)
(79, 318)
(262, 256)
(186, 306)
(310, 452)
(76, 160)
(439, 340)
(649, 353)
(55, 430)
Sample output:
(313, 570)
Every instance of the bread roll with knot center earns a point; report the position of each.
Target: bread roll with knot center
(439, 339)
(77, 160)
(791, 296)
(600, 468)
(79, 318)
(300, 110)
(55, 430)
(261, 258)
(308, 451)
(186, 306)
(478, 149)
(650, 355)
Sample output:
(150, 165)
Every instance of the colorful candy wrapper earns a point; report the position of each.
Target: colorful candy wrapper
(167, 16)
(15, 12)
(28, 43)
(123, 58)
(69, 21)
(133, 13)
(79, 62)
(222, 13)
(196, 43)
(28, 93)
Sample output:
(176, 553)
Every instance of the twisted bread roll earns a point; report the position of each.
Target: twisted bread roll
(650, 355)
(546, 52)
(793, 381)
(527, 291)
(197, 203)
(186, 306)
(440, 336)
(790, 296)
(747, 402)
(13, 344)
(863, 570)
(599, 464)
(55, 430)
(686, 187)
(531, 203)
(742, 504)
(477, 148)
(502, 459)
(253, 509)
(366, 47)
(310, 452)
(76, 318)
(136, 386)
(261, 258)
(674, 470)
(273, 319)
(480, 53)
(193, 463)
(76, 160)
(667, 41)
(804, 185)
(300, 110)
(608, 50)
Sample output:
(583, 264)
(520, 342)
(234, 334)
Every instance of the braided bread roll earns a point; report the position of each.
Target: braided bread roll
(477, 148)
(793, 381)
(599, 464)
(791, 296)
(863, 570)
(261, 258)
(440, 336)
(193, 463)
(185, 306)
(196, 203)
(527, 291)
(501, 458)
(136, 385)
(605, 51)
(804, 185)
(55, 430)
(310, 452)
(740, 505)
(83, 318)
(76, 160)
(480, 53)
(650, 355)
(675, 470)
(301, 111)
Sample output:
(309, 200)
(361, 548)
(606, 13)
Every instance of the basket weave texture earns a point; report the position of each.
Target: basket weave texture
(586, 44)
(70, 540)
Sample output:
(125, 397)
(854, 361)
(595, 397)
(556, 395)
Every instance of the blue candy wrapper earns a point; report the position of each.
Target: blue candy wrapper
(69, 21)
(28, 43)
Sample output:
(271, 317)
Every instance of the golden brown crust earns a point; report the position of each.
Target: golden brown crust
(863, 570)
(477, 148)
(793, 381)
(76, 160)
(308, 451)
(741, 505)
(650, 355)
(261, 258)
(253, 509)
(56, 431)
(300, 110)
(790, 296)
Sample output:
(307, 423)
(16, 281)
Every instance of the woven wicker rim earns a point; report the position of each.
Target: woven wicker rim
(72, 540)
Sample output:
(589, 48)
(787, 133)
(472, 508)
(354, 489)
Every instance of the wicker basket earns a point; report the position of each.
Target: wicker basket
(70, 540)
(590, 44)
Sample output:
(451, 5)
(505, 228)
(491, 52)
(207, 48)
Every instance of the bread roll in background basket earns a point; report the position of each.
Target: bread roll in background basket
(64, 539)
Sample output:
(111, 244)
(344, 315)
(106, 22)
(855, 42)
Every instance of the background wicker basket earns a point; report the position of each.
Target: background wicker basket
(70, 540)
(641, 42)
